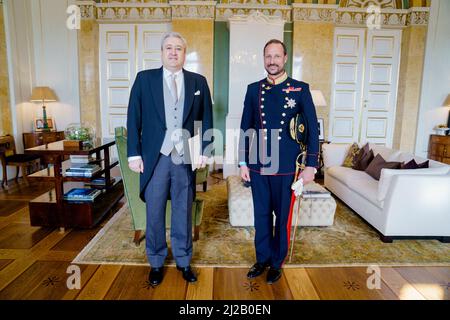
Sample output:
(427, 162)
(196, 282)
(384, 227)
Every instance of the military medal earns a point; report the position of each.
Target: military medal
(292, 89)
(291, 103)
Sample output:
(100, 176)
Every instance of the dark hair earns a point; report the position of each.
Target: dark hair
(275, 41)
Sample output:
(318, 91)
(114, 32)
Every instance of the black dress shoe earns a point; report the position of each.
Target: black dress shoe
(156, 276)
(256, 270)
(273, 275)
(188, 274)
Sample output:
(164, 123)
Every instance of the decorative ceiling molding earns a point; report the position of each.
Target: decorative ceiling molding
(353, 16)
(193, 9)
(354, 13)
(361, 4)
(134, 12)
(275, 8)
(314, 13)
(87, 9)
(257, 18)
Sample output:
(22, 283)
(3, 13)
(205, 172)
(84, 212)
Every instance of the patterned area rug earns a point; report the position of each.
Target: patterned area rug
(349, 242)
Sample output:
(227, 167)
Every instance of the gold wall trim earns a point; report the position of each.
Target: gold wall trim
(358, 16)
(164, 11)
(225, 10)
(193, 9)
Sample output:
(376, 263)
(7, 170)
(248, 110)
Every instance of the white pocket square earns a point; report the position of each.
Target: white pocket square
(197, 93)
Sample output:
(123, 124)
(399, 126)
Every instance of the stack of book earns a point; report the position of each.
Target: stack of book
(84, 159)
(82, 194)
(100, 182)
(83, 170)
(316, 194)
(315, 190)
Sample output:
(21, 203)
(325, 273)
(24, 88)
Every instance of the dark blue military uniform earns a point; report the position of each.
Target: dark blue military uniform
(268, 109)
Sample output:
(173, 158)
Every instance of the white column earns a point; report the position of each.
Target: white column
(248, 35)
(436, 75)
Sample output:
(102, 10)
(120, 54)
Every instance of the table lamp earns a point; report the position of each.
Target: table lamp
(43, 94)
(447, 104)
(318, 98)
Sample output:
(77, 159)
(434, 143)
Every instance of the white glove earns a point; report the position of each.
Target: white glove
(203, 161)
(297, 187)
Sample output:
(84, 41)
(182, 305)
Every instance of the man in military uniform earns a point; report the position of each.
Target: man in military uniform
(268, 162)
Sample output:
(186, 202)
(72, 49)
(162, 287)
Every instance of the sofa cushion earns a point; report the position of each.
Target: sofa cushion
(411, 165)
(345, 175)
(388, 174)
(364, 161)
(407, 157)
(351, 156)
(387, 153)
(363, 151)
(367, 188)
(374, 168)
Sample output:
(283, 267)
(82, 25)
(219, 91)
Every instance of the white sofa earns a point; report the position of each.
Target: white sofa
(403, 204)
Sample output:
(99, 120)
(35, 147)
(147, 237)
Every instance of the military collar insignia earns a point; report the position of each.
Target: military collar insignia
(278, 80)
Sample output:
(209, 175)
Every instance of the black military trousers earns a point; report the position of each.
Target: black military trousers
(271, 193)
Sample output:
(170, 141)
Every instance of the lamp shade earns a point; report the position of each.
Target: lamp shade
(447, 102)
(318, 98)
(43, 94)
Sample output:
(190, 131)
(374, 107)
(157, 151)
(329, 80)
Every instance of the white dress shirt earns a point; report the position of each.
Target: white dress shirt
(180, 82)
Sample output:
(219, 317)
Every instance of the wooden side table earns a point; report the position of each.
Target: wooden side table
(439, 148)
(51, 210)
(39, 138)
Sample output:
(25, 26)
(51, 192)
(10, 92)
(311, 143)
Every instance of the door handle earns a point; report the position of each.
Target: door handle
(365, 103)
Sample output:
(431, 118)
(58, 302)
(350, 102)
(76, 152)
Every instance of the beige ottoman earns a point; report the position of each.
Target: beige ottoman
(314, 211)
(240, 203)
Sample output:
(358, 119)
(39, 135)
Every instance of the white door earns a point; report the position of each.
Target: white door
(125, 49)
(347, 85)
(365, 83)
(149, 45)
(380, 86)
(117, 73)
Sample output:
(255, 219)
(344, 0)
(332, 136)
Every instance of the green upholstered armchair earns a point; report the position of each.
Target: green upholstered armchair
(201, 177)
(135, 204)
